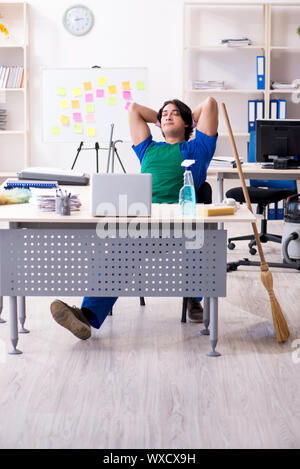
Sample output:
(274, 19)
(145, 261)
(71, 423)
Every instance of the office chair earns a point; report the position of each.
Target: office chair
(261, 197)
(203, 196)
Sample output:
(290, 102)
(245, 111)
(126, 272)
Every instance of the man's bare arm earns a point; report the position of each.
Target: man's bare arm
(139, 116)
(206, 116)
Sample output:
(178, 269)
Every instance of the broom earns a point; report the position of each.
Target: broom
(280, 325)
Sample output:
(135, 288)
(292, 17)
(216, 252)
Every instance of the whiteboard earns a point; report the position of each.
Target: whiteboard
(80, 104)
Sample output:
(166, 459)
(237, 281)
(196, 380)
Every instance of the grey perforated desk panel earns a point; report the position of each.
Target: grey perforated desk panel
(65, 257)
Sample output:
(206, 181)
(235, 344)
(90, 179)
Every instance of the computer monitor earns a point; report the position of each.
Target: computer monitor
(278, 142)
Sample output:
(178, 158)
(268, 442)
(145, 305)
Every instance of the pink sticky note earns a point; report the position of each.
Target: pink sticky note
(90, 118)
(100, 93)
(77, 117)
(127, 95)
(127, 105)
(89, 98)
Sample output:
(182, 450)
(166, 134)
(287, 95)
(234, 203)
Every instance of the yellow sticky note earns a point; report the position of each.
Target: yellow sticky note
(75, 104)
(87, 85)
(140, 85)
(90, 107)
(55, 130)
(112, 100)
(61, 91)
(64, 104)
(102, 81)
(112, 89)
(76, 92)
(64, 120)
(91, 131)
(78, 128)
(126, 85)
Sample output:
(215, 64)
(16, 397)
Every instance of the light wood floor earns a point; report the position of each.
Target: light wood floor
(144, 381)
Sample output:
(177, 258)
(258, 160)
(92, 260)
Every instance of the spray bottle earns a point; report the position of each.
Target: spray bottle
(187, 195)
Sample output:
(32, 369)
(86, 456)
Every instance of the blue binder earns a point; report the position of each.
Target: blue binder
(281, 109)
(273, 108)
(251, 114)
(259, 109)
(260, 72)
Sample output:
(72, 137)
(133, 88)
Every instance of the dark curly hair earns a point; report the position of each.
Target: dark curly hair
(185, 113)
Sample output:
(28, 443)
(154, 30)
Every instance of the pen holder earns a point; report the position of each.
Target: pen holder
(63, 205)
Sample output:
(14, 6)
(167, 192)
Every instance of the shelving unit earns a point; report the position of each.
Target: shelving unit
(14, 141)
(272, 29)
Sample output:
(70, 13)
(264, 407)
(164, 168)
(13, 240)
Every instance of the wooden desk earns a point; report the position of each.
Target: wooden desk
(43, 254)
(251, 171)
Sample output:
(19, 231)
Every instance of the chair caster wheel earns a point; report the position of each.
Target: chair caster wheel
(252, 251)
(231, 246)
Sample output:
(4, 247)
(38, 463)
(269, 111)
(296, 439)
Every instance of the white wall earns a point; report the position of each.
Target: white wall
(132, 33)
(126, 33)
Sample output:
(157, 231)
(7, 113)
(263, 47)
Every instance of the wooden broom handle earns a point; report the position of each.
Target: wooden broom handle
(241, 175)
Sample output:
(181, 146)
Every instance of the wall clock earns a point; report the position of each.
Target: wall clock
(78, 20)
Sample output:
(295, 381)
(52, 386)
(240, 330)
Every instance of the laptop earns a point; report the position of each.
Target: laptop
(121, 195)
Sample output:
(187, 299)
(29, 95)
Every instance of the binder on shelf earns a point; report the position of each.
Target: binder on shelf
(280, 210)
(259, 109)
(260, 72)
(281, 109)
(251, 114)
(271, 211)
(273, 109)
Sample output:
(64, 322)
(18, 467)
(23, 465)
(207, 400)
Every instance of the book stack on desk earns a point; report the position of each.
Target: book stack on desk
(223, 161)
(44, 200)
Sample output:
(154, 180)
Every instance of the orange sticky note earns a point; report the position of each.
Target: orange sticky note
(126, 85)
(87, 85)
(112, 89)
(75, 104)
(65, 120)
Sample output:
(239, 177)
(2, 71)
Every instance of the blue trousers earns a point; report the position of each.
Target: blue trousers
(100, 306)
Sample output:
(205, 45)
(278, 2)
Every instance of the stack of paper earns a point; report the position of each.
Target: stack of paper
(3, 117)
(44, 199)
(237, 42)
(224, 161)
(207, 84)
(283, 86)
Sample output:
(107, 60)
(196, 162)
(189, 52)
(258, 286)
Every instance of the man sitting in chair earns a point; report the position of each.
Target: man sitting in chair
(163, 160)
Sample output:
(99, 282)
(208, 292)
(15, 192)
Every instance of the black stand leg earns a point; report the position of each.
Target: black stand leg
(115, 151)
(78, 151)
(97, 159)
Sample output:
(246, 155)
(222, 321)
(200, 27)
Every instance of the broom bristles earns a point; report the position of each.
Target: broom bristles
(280, 324)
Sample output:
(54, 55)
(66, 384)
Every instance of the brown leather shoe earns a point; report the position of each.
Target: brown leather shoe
(195, 310)
(71, 318)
